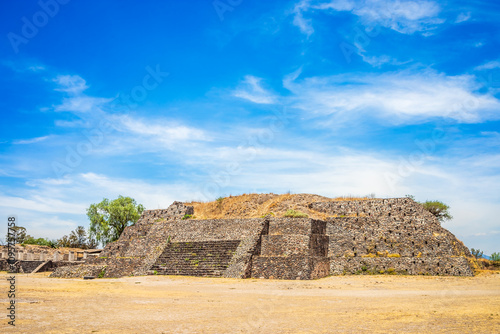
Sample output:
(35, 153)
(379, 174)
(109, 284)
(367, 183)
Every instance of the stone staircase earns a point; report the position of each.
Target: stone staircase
(207, 258)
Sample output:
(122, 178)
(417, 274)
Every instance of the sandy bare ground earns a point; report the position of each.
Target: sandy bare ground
(174, 304)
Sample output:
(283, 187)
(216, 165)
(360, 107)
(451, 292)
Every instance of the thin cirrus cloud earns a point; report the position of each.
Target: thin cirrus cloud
(251, 89)
(72, 84)
(92, 110)
(400, 96)
(162, 133)
(30, 141)
(406, 17)
(488, 66)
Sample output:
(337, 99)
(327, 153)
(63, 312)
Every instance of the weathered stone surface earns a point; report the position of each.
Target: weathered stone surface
(368, 236)
(296, 248)
(450, 266)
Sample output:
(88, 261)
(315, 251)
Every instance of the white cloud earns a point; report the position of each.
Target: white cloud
(404, 16)
(40, 204)
(378, 61)
(396, 97)
(161, 132)
(462, 17)
(82, 104)
(488, 66)
(251, 89)
(30, 141)
(72, 84)
(303, 24)
(54, 207)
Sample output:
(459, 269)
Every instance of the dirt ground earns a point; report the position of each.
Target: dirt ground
(175, 304)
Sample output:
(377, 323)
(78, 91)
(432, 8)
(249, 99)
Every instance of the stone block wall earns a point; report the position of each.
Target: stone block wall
(397, 208)
(136, 250)
(449, 266)
(380, 235)
(141, 245)
(296, 248)
(351, 236)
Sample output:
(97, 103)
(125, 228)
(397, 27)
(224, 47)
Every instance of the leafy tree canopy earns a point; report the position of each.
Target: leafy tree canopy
(29, 240)
(477, 253)
(108, 218)
(438, 209)
(77, 239)
(16, 234)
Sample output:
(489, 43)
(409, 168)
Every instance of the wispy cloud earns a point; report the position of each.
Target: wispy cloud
(160, 132)
(462, 17)
(397, 97)
(30, 141)
(251, 89)
(303, 24)
(379, 61)
(404, 16)
(72, 84)
(488, 66)
(82, 104)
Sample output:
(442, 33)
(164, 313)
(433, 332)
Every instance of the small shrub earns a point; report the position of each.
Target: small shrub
(364, 268)
(495, 257)
(477, 253)
(394, 255)
(295, 214)
(155, 272)
(186, 216)
(102, 273)
(391, 271)
(267, 214)
(219, 201)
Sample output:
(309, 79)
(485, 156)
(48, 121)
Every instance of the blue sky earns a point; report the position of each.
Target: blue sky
(192, 100)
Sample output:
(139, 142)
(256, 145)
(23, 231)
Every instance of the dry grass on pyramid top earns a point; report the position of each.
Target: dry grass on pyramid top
(259, 205)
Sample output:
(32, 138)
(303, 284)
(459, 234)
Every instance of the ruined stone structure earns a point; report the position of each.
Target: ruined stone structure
(365, 236)
(34, 258)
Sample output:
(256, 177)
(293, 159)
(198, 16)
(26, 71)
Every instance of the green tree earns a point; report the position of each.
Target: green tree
(495, 256)
(77, 239)
(438, 209)
(476, 252)
(108, 218)
(16, 234)
(29, 240)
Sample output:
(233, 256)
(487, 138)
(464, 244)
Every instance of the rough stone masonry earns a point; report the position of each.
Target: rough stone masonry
(379, 236)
